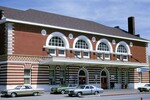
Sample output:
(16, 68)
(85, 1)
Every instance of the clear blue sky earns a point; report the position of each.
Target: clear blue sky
(108, 12)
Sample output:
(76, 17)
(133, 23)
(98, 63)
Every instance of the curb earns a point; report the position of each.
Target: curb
(124, 94)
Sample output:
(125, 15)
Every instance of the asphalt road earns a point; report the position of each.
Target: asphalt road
(48, 96)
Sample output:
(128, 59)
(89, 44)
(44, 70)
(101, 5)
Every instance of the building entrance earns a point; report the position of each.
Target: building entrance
(82, 80)
(104, 80)
(82, 77)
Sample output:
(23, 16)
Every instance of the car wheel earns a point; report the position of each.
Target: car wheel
(70, 95)
(35, 93)
(79, 94)
(13, 94)
(96, 93)
(62, 92)
(141, 90)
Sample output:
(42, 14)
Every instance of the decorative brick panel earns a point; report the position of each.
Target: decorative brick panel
(10, 37)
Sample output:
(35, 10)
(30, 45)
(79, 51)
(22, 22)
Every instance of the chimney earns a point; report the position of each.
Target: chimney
(131, 25)
(1, 14)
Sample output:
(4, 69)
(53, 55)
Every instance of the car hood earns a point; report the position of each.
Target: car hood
(74, 89)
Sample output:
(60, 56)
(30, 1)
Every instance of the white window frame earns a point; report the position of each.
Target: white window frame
(62, 55)
(122, 57)
(86, 56)
(119, 57)
(107, 58)
(27, 77)
(78, 55)
(52, 54)
(101, 56)
(126, 58)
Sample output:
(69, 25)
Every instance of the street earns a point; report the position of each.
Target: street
(48, 96)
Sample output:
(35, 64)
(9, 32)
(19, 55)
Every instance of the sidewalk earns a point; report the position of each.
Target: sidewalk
(113, 92)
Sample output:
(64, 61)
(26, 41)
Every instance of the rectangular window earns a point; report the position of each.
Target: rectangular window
(125, 58)
(100, 56)
(61, 52)
(77, 53)
(86, 54)
(52, 52)
(27, 76)
(119, 57)
(107, 56)
(140, 77)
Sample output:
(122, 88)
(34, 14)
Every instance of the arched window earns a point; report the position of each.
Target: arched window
(81, 44)
(81, 73)
(56, 41)
(121, 49)
(103, 47)
(103, 73)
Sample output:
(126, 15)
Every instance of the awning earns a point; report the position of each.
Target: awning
(89, 62)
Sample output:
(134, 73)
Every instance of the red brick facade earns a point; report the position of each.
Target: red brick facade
(24, 56)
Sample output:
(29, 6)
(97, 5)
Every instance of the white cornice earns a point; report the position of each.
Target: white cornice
(69, 29)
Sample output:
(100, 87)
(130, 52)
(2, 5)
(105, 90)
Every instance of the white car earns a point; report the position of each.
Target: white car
(146, 87)
(84, 89)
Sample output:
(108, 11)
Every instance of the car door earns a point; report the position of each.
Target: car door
(25, 90)
(87, 90)
(21, 91)
(29, 90)
(92, 89)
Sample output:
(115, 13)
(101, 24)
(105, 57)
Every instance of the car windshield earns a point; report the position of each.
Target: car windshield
(147, 85)
(18, 87)
(81, 87)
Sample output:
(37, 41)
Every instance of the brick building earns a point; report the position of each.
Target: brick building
(43, 49)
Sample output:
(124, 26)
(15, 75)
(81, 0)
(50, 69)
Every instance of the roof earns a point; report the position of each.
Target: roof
(47, 18)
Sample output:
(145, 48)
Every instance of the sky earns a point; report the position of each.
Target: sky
(108, 12)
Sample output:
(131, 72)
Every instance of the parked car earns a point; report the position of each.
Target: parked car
(84, 89)
(62, 89)
(146, 87)
(22, 90)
